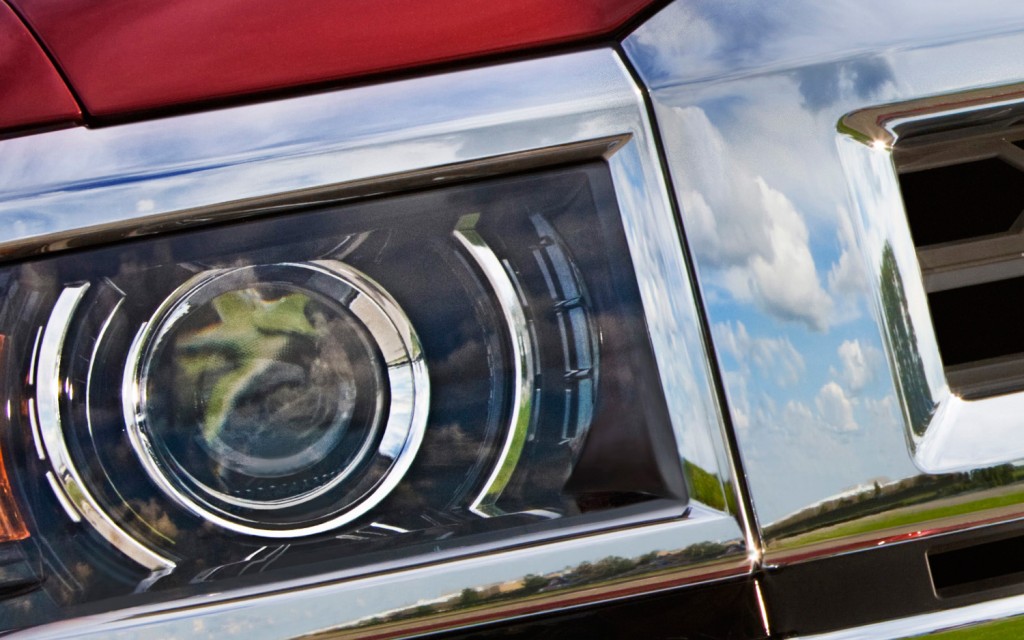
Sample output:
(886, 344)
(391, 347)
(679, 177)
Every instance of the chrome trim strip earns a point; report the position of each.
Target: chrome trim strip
(415, 600)
(522, 362)
(762, 608)
(33, 423)
(66, 481)
(37, 436)
(961, 620)
(62, 498)
(95, 357)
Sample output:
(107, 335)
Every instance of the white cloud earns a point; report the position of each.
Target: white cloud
(787, 282)
(739, 404)
(881, 411)
(797, 416)
(847, 279)
(776, 358)
(859, 363)
(740, 224)
(855, 371)
(847, 273)
(835, 408)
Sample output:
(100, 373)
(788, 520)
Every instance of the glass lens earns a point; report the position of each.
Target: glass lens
(252, 389)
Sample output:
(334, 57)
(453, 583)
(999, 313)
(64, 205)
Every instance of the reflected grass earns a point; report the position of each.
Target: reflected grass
(904, 517)
(1013, 628)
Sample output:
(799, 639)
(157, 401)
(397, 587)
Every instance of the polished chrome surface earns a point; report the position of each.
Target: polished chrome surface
(962, 432)
(788, 208)
(62, 498)
(408, 384)
(523, 364)
(1002, 618)
(72, 493)
(430, 598)
(68, 188)
(762, 609)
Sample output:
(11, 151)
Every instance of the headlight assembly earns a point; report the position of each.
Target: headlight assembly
(370, 380)
(408, 354)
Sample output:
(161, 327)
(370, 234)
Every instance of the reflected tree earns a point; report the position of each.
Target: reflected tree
(904, 358)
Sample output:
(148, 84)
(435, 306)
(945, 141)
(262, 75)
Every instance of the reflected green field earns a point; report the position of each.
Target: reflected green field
(904, 517)
(1013, 628)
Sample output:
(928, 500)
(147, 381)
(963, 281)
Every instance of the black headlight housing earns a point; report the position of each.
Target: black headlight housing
(226, 397)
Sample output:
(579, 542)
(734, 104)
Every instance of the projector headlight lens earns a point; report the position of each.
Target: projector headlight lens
(259, 396)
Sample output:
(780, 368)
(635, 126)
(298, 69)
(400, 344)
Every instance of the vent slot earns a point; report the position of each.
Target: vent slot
(964, 201)
(981, 322)
(980, 567)
(964, 198)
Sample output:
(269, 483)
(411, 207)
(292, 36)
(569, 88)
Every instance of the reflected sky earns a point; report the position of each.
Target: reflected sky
(194, 160)
(665, 289)
(709, 40)
(748, 99)
(786, 288)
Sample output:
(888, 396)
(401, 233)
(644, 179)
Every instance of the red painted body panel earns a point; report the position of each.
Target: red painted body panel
(124, 57)
(32, 93)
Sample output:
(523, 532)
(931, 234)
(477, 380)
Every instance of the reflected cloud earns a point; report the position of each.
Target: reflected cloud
(763, 200)
(776, 357)
(835, 408)
(704, 39)
(822, 85)
(750, 232)
(859, 364)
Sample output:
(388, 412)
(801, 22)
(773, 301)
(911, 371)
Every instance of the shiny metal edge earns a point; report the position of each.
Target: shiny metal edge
(877, 125)
(66, 481)
(705, 547)
(961, 620)
(958, 434)
(73, 514)
(522, 364)
(406, 370)
(675, 328)
(133, 179)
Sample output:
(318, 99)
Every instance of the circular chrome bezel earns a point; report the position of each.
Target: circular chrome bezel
(403, 426)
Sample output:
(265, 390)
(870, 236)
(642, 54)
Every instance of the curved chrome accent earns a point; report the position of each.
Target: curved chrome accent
(66, 481)
(522, 362)
(37, 437)
(959, 433)
(403, 429)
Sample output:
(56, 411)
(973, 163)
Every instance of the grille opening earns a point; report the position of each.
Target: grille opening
(980, 322)
(963, 192)
(963, 201)
(976, 568)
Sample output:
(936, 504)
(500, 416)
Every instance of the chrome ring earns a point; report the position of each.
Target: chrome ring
(396, 446)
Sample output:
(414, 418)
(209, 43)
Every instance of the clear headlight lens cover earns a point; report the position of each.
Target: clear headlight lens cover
(326, 390)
